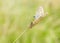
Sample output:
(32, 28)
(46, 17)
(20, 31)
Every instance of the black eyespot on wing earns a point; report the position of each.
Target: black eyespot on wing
(33, 16)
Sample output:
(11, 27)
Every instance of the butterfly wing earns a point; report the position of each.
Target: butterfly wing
(39, 13)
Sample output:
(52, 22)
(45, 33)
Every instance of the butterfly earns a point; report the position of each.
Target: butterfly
(39, 14)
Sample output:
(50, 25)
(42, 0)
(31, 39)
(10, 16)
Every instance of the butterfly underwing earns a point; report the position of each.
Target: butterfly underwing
(39, 14)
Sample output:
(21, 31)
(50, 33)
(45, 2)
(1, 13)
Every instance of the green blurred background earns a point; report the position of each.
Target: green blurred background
(16, 15)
